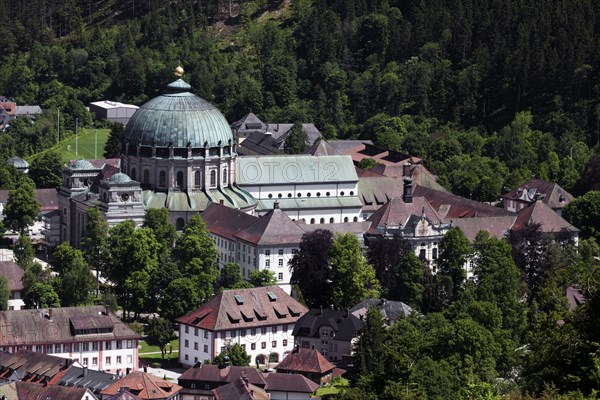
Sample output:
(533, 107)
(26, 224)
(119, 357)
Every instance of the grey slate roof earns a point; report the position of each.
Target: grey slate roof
(390, 310)
(344, 324)
(87, 378)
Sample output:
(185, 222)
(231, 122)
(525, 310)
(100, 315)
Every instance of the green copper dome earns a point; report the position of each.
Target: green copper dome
(119, 178)
(178, 117)
(82, 164)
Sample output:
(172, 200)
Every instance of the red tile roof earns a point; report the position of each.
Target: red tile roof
(212, 373)
(226, 221)
(144, 386)
(35, 391)
(240, 390)
(450, 206)
(29, 327)
(290, 383)
(396, 213)
(275, 227)
(48, 198)
(31, 366)
(14, 275)
(305, 360)
(549, 192)
(496, 226)
(252, 308)
(541, 213)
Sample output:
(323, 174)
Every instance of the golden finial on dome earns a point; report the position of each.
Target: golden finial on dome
(179, 71)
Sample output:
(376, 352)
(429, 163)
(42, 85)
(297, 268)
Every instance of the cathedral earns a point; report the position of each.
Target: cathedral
(179, 152)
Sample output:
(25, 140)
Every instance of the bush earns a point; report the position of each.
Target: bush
(137, 328)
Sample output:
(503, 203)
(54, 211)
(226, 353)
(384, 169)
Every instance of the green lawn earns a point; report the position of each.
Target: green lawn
(333, 388)
(146, 348)
(90, 145)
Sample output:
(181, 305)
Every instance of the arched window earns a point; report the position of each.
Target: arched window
(162, 178)
(180, 179)
(197, 182)
(225, 176)
(213, 178)
(355, 219)
(132, 174)
(179, 224)
(146, 176)
(322, 221)
(312, 220)
(345, 219)
(331, 220)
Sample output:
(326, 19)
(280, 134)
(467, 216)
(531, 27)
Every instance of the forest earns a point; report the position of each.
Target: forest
(487, 93)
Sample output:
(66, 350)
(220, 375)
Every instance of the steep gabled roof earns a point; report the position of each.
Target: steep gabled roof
(48, 198)
(391, 310)
(54, 325)
(305, 360)
(496, 226)
(344, 324)
(249, 122)
(240, 390)
(14, 275)
(541, 213)
(36, 391)
(144, 386)
(450, 206)
(30, 366)
(296, 383)
(396, 214)
(245, 308)
(538, 189)
(275, 227)
(212, 373)
(226, 221)
(83, 377)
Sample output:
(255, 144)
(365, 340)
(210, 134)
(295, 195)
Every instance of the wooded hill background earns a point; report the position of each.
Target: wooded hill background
(489, 93)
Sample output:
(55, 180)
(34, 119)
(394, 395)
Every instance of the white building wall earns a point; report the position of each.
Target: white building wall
(276, 395)
(259, 341)
(91, 354)
(195, 345)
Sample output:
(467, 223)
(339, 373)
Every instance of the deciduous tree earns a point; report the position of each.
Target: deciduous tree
(454, 253)
(310, 268)
(94, 243)
(4, 293)
(46, 170)
(353, 278)
(235, 354)
(159, 332)
(22, 209)
(76, 281)
(262, 277)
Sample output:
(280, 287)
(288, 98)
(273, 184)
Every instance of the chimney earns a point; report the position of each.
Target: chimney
(407, 196)
(406, 169)
(145, 368)
(85, 369)
(276, 205)
(221, 202)
(50, 313)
